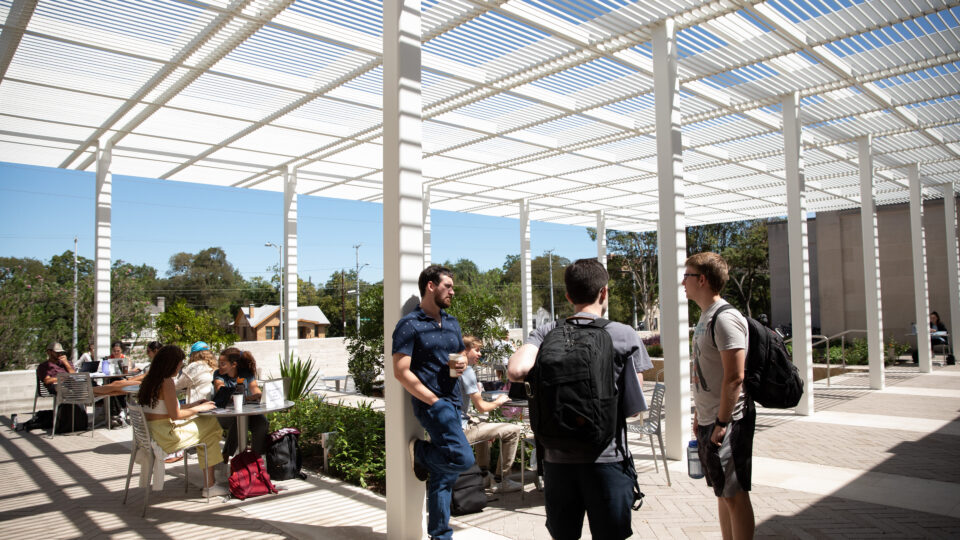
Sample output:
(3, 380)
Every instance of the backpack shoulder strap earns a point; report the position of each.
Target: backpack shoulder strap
(713, 321)
(599, 322)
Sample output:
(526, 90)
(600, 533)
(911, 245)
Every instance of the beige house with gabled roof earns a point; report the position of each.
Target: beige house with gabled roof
(262, 323)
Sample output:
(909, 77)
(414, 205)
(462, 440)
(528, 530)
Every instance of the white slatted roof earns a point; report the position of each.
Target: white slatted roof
(549, 100)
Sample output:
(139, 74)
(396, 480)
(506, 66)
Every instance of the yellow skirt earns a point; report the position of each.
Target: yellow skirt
(173, 436)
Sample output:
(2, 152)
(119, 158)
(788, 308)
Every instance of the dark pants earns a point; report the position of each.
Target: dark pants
(446, 455)
(258, 427)
(604, 491)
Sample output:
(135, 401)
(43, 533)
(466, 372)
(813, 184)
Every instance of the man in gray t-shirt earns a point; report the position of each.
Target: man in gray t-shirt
(724, 417)
(575, 483)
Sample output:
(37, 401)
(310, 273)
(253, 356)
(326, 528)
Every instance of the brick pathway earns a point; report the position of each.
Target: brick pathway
(876, 464)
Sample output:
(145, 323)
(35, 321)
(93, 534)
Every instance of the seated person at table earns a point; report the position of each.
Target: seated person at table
(240, 366)
(936, 325)
(475, 430)
(174, 427)
(116, 387)
(57, 362)
(197, 376)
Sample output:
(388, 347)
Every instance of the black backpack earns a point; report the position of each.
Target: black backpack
(468, 496)
(70, 417)
(283, 455)
(574, 403)
(769, 376)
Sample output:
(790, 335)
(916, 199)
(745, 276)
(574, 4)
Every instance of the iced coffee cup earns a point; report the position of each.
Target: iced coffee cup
(453, 360)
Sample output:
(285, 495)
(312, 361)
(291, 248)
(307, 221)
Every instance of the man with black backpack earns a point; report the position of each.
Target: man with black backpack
(724, 416)
(582, 377)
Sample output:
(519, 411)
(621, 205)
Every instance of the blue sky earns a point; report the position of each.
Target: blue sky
(42, 209)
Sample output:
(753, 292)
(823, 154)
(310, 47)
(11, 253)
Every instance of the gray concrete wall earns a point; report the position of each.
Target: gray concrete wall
(837, 276)
(780, 273)
(329, 355)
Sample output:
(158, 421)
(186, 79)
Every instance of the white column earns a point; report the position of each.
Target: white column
(402, 248)
(797, 249)
(921, 304)
(290, 333)
(426, 227)
(526, 284)
(871, 264)
(602, 238)
(953, 262)
(674, 333)
(101, 234)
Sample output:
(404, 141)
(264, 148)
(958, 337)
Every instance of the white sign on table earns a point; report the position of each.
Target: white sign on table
(272, 393)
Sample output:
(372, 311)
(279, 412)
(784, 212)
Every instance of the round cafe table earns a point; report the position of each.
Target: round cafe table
(102, 377)
(248, 409)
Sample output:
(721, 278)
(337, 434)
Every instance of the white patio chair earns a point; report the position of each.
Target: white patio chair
(74, 389)
(651, 426)
(142, 441)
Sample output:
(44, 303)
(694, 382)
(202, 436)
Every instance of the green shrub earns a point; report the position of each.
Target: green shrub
(358, 454)
(858, 353)
(655, 351)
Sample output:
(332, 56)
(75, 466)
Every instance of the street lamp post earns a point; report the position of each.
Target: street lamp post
(280, 256)
(357, 250)
(550, 263)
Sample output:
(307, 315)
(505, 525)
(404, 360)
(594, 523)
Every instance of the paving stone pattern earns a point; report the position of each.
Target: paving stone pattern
(71, 486)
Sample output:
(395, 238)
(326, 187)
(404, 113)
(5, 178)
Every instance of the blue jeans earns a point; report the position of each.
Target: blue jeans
(446, 455)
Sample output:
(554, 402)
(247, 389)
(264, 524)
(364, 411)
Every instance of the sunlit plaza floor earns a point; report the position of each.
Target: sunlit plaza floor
(867, 464)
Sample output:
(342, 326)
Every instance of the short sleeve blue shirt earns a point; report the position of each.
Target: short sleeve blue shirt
(428, 345)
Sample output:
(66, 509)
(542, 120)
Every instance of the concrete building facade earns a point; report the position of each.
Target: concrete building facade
(836, 270)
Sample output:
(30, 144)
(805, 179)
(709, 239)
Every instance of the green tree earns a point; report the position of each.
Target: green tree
(743, 244)
(338, 304)
(749, 261)
(206, 281)
(181, 325)
(129, 298)
(633, 262)
(540, 285)
(365, 348)
(37, 299)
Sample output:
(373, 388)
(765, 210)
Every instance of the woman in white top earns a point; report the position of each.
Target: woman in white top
(197, 376)
(174, 427)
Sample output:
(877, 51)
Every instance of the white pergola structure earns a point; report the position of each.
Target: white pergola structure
(617, 114)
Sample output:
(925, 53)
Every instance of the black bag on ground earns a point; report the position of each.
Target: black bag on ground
(468, 495)
(283, 455)
(71, 417)
(41, 420)
(573, 394)
(769, 376)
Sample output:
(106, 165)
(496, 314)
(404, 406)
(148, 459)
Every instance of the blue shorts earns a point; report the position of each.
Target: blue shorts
(603, 490)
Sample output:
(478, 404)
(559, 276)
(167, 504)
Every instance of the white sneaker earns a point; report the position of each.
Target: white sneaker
(216, 490)
(507, 486)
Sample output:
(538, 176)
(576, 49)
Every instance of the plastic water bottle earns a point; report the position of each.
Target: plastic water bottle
(694, 468)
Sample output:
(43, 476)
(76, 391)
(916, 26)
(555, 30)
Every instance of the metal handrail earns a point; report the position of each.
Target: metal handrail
(818, 339)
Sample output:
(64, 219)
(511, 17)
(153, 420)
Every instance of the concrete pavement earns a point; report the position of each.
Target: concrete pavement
(867, 464)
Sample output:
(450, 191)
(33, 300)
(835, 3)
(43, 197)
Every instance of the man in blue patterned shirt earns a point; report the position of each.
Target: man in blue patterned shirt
(422, 342)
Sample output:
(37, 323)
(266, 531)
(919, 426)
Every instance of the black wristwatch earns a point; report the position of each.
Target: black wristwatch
(721, 424)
